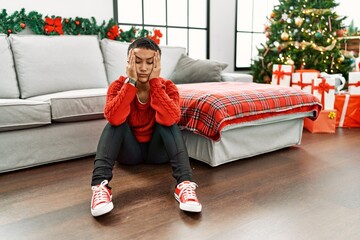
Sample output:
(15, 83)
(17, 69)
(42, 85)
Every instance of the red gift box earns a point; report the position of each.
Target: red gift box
(348, 110)
(325, 122)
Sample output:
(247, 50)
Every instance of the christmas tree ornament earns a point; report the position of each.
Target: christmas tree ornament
(267, 79)
(284, 16)
(22, 25)
(290, 61)
(285, 36)
(318, 35)
(299, 21)
(340, 33)
(341, 58)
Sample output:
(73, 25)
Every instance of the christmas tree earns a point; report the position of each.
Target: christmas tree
(306, 34)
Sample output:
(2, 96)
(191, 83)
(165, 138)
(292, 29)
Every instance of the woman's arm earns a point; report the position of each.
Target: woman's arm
(165, 100)
(118, 99)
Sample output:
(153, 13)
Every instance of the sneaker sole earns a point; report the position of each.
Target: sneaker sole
(188, 208)
(103, 210)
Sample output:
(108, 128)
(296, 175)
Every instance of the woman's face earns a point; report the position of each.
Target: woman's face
(144, 62)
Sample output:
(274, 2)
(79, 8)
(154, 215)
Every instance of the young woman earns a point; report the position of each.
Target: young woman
(142, 110)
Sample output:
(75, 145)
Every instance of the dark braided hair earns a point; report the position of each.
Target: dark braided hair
(144, 43)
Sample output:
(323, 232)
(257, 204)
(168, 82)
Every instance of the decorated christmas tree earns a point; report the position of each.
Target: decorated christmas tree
(305, 34)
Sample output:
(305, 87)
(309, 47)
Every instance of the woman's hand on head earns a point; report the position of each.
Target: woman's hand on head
(131, 66)
(155, 73)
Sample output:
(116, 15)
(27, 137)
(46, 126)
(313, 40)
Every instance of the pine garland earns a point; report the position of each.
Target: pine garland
(57, 25)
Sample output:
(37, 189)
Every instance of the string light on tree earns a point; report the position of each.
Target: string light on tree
(305, 34)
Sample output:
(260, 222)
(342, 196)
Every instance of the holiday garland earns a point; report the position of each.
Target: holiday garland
(56, 25)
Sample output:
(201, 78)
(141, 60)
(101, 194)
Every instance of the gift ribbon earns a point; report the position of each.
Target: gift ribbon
(343, 113)
(357, 84)
(323, 87)
(300, 83)
(280, 74)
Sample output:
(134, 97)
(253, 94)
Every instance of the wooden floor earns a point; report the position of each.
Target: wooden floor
(311, 191)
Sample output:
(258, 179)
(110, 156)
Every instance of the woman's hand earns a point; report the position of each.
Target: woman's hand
(155, 73)
(131, 66)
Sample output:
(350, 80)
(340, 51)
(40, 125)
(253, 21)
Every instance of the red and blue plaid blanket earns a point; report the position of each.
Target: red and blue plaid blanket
(206, 108)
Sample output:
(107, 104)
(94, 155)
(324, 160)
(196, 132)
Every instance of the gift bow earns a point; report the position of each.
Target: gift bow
(322, 88)
(300, 83)
(280, 74)
(332, 115)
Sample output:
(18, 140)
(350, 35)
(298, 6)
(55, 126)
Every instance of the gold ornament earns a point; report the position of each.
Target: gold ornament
(290, 61)
(299, 21)
(285, 36)
(341, 58)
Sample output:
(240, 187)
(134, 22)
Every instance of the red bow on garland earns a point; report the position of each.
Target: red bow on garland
(113, 32)
(157, 36)
(53, 25)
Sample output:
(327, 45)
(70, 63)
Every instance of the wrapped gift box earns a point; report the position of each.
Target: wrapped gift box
(354, 83)
(324, 89)
(304, 79)
(348, 110)
(339, 80)
(281, 74)
(325, 123)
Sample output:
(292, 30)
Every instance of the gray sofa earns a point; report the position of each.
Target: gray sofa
(52, 94)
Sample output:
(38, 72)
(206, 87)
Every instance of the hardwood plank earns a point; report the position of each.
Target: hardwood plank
(310, 191)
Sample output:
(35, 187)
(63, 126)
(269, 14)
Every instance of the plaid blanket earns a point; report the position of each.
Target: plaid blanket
(206, 108)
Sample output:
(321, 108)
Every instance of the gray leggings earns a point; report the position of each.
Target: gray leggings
(117, 143)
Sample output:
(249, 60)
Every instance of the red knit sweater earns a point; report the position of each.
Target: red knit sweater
(162, 106)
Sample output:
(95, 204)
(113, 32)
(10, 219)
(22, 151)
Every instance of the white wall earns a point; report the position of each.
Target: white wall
(100, 9)
(222, 32)
(222, 22)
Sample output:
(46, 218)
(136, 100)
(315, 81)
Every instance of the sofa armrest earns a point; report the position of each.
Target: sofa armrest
(236, 77)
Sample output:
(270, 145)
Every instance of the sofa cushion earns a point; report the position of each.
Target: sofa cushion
(77, 105)
(8, 82)
(169, 58)
(115, 56)
(19, 114)
(189, 70)
(50, 64)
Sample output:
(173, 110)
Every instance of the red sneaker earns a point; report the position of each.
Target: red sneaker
(186, 196)
(101, 199)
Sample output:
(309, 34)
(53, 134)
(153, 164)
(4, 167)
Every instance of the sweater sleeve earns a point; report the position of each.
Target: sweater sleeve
(118, 99)
(165, 101)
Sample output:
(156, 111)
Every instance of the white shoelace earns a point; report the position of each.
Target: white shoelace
(100, 193)
(188, 191)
